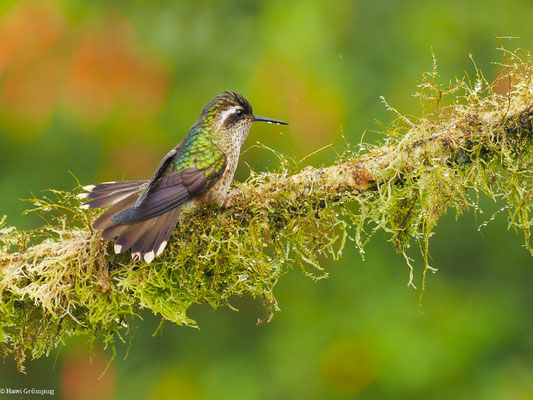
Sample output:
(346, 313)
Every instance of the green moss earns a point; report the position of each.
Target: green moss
(61, 280)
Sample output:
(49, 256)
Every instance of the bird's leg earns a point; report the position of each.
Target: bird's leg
(233, 193)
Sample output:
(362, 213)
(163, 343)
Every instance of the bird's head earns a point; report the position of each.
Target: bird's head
(230, 112)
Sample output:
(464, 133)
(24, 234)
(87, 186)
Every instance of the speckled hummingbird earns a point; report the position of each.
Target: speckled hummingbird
(199, 170)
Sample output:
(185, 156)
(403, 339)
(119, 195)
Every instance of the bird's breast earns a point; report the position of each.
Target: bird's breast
(218, 192)
(231, 147)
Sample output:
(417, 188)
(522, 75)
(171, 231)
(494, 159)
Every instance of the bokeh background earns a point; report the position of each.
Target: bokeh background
(104, 88)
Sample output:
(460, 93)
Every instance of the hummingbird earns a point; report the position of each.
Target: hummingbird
(142, 214)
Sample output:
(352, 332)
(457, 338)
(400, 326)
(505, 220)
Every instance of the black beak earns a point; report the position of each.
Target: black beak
(269, 120)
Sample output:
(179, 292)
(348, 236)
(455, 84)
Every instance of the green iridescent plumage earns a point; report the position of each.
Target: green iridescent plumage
(198, 151)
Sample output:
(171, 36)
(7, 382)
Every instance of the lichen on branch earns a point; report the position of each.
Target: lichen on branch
(62, 280)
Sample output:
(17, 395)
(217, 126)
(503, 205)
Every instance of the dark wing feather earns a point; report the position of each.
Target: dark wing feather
(173, 190)
(158, 173)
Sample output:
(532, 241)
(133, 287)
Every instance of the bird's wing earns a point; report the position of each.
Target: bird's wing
(152, 183)
(175, 188)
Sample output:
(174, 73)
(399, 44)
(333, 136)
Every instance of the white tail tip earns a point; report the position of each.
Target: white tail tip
(82, 195)
(161, 248)
(88, 188)
(149, 257)
(118, 248)
(85, 206)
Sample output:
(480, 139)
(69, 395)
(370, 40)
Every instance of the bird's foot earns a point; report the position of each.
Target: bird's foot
(233, 193)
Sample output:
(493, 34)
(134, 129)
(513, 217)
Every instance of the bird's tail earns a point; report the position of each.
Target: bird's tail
(146, 239)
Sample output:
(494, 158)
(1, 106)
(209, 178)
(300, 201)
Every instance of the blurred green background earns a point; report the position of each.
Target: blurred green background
(104, 88)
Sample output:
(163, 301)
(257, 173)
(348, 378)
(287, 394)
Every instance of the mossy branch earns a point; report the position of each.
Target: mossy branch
(62, 280)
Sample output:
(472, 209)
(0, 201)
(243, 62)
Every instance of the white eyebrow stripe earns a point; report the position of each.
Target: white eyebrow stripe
(224, 114)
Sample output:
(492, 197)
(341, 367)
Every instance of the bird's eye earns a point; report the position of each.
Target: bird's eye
(239, 113)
